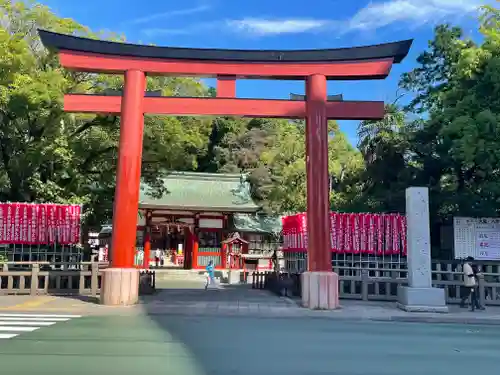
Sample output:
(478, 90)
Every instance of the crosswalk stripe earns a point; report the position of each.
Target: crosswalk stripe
(23, 323)
(8, 335)
(38, 316)
(12, 325)
(18, 329)
(27, 319)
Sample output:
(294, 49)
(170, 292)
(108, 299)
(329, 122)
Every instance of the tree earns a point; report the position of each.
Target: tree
(272, 153)
(385, 147)
(456, 147)
(47, 155)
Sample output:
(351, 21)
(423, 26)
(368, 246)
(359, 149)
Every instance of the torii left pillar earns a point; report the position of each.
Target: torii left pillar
(120, 282)
(320, 286)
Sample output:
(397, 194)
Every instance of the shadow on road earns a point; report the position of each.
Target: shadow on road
(219, 340)
(223, 344)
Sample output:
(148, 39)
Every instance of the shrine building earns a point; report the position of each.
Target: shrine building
(202, 217)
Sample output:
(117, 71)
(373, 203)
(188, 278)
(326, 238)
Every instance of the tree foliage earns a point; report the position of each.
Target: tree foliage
(451, 144)
(48, 155)
(446, 137)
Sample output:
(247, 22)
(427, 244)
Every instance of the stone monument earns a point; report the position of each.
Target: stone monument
(419, 295)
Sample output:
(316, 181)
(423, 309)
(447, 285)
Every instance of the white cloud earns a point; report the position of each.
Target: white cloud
(415, 12)
(193, 29)
(170, 14)
(374, 16)
(260, 26)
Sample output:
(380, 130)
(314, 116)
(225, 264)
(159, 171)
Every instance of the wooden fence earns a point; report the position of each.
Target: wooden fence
(381, 284)
(40, 278)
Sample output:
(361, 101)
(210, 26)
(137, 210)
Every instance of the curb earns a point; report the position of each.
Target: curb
(284, 313)
(440, 320)
(306, 314)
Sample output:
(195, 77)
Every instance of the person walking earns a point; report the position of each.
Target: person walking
(471, 275)
(157, 258)
(210, 274)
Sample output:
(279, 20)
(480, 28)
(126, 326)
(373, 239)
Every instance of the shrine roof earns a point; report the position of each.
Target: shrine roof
(198, 192)
(395, 50)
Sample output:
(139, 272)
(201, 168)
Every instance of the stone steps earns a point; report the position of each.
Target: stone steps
(186, 275)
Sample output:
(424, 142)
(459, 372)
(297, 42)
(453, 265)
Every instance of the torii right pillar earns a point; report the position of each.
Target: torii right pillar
(320, 285)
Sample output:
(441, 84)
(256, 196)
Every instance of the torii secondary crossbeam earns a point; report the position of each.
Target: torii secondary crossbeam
(315, 67)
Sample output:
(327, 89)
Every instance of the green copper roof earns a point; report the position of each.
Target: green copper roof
(256, 223)
(190, 191)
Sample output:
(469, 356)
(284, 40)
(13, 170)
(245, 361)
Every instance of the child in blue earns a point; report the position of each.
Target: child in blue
(211, 276)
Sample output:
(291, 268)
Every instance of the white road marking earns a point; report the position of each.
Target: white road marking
(24, 323)
(27, 319)
(18, 329)
(8, 335)
(39, 316)
(12, 325)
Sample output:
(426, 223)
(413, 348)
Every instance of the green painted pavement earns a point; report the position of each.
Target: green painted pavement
(159, 344)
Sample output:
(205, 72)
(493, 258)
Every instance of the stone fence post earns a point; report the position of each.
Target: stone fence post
(94, 279)
(35, 270)
(482, 290)
(364, 284)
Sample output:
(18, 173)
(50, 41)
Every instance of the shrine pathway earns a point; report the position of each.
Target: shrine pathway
(210, 345)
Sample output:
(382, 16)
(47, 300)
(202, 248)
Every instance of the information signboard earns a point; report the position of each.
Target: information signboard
(477, 237)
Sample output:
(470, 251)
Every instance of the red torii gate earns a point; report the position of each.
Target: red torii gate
(320, 284)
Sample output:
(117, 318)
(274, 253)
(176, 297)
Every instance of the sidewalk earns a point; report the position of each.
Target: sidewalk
(193, 300)
(387, 311)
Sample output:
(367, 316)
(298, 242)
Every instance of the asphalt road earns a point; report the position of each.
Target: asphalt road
(159, 344)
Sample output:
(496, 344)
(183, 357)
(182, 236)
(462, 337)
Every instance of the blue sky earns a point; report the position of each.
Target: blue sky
(280, 24)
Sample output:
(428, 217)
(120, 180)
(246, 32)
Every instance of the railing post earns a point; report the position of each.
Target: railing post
(364, 284)
(94, 280)
(482, 291)
(35, 269)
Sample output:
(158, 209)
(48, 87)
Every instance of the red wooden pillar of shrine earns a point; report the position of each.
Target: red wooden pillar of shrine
(194, 237)
(147, 240)
(318, 200)
(226, 87)
(120, 282)
(126, 203)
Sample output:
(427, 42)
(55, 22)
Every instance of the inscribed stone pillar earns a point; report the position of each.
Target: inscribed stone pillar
(418, 237)
(419, 295)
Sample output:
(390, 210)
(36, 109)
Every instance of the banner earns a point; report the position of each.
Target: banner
(387, 235)
(340, 233)
(351, 233)
(32, 224)
(363, 249)
(402, 230)
(355, 229)
(396, 246)
(371, 247)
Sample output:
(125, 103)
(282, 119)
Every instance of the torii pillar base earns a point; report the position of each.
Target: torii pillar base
(120, 287)
(320, 290)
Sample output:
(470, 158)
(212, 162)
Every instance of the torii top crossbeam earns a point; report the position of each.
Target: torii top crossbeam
(313, 66)
(359, 63)
(368, 62)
